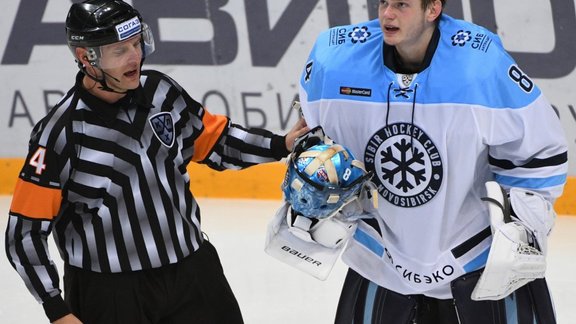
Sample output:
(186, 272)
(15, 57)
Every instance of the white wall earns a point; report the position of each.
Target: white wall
(246, 58)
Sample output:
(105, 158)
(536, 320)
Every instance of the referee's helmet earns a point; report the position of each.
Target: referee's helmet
(95, 23)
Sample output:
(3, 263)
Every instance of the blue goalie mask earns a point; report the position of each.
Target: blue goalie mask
(322, 179)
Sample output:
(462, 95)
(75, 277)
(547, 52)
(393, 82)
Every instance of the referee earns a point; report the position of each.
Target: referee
(106, 175)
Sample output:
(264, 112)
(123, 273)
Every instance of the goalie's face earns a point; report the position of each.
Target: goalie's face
(408, 26)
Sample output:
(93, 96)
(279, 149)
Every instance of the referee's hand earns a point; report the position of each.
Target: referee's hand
(299, 129)
(68, 319)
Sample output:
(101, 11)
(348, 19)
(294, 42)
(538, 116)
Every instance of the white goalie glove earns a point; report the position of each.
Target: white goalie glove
(322, 187)
(331, 232)
(520, 227)
(311, 248)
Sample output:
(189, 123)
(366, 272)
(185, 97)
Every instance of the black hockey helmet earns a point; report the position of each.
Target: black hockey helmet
(100, 24)
(95, 23)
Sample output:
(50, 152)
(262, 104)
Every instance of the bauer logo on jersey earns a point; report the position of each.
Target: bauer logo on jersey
(406, 163)
(163, 128)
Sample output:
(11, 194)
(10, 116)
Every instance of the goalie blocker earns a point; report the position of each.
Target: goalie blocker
(517, 254)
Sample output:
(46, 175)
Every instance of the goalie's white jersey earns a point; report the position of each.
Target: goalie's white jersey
(432, 140)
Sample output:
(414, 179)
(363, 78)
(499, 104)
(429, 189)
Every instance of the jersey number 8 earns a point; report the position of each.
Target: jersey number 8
(522, 79)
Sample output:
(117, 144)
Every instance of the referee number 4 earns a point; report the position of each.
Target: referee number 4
(37, 160)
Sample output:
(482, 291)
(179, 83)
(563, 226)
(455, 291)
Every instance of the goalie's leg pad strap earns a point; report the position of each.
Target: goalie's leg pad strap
(529, 304)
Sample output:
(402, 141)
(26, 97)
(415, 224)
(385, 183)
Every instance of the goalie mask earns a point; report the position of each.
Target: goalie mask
(322, 179)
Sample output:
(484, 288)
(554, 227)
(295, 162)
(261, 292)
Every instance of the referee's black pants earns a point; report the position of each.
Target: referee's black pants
(193, 290)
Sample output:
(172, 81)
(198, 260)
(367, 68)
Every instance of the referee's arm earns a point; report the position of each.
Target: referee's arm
(31, 214)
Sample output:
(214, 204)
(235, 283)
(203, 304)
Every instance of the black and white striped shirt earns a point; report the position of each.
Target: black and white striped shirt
(110, 181)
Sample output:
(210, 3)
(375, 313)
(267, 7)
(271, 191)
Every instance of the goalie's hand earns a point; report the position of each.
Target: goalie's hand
(512, 260)
(363, 206)
(525, 207)
(308, 256)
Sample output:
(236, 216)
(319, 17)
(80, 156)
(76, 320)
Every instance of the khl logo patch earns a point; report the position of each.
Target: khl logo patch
(406, 164)
(163, 127)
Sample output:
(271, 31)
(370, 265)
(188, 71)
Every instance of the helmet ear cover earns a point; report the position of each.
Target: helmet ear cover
(92, 56)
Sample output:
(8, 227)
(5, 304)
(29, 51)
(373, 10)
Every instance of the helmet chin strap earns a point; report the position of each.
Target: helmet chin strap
(103, 85)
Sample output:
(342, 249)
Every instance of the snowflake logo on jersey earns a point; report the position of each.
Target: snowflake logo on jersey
(163, 127)
(406, 163)
(461, 37)
(359, 34)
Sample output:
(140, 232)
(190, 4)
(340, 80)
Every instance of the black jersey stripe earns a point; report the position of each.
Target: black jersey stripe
(555, 160)
(119, 241)
(21, 256)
